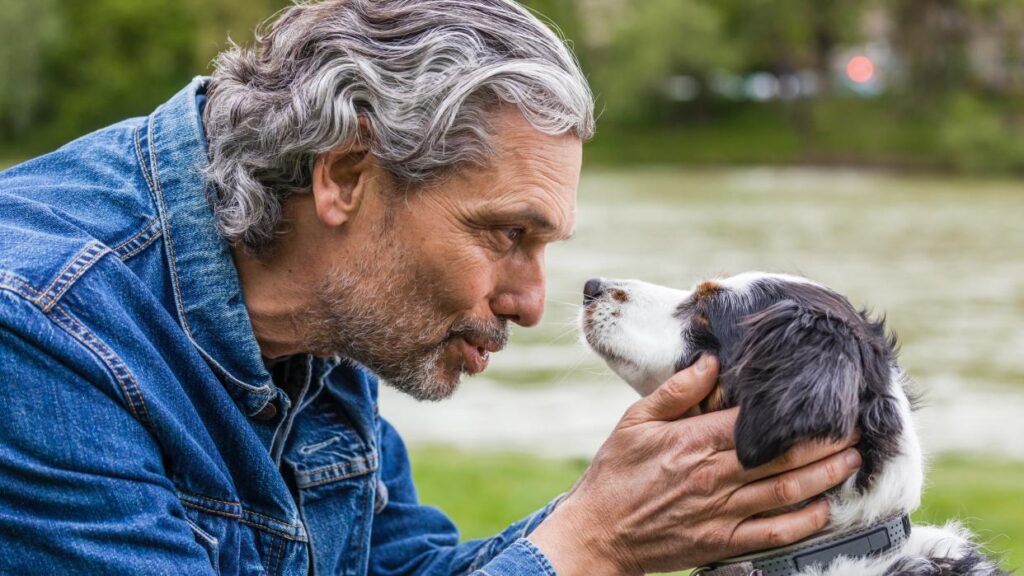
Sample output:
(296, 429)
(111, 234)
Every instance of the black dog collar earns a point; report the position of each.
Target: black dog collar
(873, 540)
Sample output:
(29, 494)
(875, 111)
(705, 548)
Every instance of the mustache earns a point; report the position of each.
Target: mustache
(474, 330)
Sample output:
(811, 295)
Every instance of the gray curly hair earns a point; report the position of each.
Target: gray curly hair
(413, 80)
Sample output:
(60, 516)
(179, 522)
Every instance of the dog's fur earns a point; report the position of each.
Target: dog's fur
(801, 363)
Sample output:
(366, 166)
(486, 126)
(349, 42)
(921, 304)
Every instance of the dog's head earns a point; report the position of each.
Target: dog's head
(796, 357)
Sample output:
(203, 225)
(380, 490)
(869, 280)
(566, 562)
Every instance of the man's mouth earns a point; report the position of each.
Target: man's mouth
(477, 353)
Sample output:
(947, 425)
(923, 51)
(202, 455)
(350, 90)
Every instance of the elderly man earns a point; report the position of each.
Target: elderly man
(195, 307)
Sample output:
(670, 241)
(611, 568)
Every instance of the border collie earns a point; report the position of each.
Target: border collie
(801, 363)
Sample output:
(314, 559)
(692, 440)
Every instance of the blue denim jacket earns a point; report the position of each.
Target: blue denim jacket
(142, 432)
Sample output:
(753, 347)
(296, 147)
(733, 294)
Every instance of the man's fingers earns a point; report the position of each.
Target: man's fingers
(799, 456)
(796, 486)
(678, 394)
(782, 530)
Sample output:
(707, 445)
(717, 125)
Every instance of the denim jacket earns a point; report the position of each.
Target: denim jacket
(141, 431)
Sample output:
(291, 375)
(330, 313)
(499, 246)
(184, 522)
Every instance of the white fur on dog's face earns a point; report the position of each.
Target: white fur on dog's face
(638, 327)
(634, 326)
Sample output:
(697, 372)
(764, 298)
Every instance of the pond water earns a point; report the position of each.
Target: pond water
(940, 257)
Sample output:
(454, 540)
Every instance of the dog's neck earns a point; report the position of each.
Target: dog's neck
(895, 488)
(873, 540)
(893, 493)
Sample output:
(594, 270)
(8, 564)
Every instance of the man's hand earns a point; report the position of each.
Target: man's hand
(666, 493)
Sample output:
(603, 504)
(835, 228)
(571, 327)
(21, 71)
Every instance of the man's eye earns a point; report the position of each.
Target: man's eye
(514, 234)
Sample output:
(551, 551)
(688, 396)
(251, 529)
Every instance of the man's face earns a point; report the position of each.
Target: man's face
(427, 283)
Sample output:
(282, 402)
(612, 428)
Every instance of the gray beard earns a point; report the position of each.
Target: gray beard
(378, 316)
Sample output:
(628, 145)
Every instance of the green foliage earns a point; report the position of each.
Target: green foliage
(485, 492)
(116, 58)
(71, 66)
(659, 38)
(786, 34)
(27, 28)
(976, 137)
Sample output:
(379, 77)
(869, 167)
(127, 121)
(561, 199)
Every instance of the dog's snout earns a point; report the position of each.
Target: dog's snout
(592, 290)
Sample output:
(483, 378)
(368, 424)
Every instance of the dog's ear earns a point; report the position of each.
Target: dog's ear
(798, 375)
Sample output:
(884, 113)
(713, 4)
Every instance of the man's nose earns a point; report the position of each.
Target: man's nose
(525, 307)
(531, 309)
(592, 290)
(522, 299)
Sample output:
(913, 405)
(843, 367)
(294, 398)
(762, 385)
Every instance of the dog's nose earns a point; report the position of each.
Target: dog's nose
(592, 290)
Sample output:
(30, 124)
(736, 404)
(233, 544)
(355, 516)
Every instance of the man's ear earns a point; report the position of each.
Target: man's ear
(798, 376)
(340, 178)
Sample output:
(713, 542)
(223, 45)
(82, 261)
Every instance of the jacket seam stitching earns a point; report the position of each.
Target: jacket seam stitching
(195, 501)
(125, 381)
(545, 564)
(81, 263)
(149, 242)
(117, 248)
(246, 511)
(162, 208)
(224, 513)
(142, 161)
(20, 287)
(211, 499)
(140, 245)
(270, 529)
(337, 467)
(26, 291)
(274, 562)
(241, 518)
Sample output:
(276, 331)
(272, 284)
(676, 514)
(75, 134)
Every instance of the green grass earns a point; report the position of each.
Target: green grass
(986, 495)
(484, 492)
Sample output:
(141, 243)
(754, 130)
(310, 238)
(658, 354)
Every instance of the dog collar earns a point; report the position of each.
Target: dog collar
(861, 543)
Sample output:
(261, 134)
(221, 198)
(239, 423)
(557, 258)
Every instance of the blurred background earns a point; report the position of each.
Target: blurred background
(873, 146)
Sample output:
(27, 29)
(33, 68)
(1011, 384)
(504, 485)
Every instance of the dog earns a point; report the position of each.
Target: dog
(801, 363)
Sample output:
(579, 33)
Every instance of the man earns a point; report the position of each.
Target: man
(194, 306)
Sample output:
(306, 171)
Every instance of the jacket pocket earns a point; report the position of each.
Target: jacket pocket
(208, 542)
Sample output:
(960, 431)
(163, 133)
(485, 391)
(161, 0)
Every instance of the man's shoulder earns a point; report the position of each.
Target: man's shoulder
(61, 211)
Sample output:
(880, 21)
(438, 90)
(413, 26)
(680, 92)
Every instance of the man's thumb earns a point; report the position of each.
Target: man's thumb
(678, 394)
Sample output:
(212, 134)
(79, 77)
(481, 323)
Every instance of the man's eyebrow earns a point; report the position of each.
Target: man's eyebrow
(537, 220)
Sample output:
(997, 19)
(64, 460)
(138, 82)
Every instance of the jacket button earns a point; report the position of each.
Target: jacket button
(268, 411)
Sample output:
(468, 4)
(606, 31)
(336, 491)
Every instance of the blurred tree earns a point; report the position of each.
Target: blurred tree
(564, 15)
(791, 37)
(115, 58)
(784, 36)
(657, 39)
(27, 29)
(234, 19)
(932, 37)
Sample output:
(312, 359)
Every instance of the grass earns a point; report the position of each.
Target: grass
(484, 492)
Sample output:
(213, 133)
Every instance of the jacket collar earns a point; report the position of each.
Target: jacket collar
(207, 292)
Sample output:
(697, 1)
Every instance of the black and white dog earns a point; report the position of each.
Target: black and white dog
(800, 362)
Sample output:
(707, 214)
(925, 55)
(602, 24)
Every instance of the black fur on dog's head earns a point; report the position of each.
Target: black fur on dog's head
(796, 357)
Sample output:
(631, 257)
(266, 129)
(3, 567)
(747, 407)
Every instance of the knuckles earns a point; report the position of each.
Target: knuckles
(786, 491)
(779, 535)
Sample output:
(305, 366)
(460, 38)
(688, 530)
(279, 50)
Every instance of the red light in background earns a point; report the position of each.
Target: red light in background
(860, 69)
